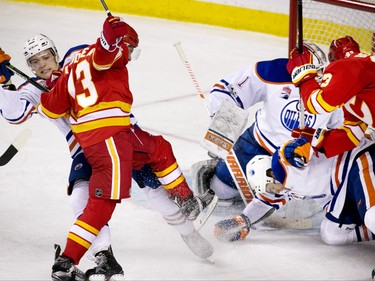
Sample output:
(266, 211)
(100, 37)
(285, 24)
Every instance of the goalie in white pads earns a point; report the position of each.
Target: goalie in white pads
(268, 82)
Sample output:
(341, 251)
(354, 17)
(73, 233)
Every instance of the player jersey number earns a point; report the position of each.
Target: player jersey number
(83, 74)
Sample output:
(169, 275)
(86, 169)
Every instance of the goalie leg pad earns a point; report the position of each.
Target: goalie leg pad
(203, 172)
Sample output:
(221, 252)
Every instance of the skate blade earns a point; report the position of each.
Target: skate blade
(101, 277)
(117, 277)
(210, 260)
(205, 214)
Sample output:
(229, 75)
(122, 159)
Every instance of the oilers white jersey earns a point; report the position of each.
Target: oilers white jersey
(17, 108)
(312, 182)
(270, 83)
(353, 170)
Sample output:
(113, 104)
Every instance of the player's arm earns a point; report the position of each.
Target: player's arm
(346, 137)
(243, 88)
(17, 106)
(56, 103)
(333, 91)
(110, 50)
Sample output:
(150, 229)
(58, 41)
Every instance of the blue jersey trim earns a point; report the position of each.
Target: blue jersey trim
(273, 71)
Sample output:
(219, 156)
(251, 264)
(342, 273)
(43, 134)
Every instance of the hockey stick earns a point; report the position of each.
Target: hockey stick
(26, 77)
(300, 50)
(106, 8)
(231, 160)
(15, 146)
(191, 74)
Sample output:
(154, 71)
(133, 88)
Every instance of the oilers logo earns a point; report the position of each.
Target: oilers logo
(290, 116)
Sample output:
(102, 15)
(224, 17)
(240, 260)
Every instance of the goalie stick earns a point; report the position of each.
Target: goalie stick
(15, 146)
(231, 160)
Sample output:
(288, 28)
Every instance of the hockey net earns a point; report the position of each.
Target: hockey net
(326, 20)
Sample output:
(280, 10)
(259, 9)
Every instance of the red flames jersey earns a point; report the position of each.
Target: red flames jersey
(348, 84)
(94, 91)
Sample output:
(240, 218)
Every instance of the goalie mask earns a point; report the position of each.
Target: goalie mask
(342, 48)
(319, 57)
(38, 44)
(259, 173)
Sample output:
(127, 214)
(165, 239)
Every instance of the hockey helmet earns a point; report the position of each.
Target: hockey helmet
(259, 173)
(342, 48)
(38, 44)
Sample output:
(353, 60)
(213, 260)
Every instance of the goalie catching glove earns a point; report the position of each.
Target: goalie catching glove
(300, 66)
(5, 73)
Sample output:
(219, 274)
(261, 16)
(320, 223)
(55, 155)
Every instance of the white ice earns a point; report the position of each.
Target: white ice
(34, 210)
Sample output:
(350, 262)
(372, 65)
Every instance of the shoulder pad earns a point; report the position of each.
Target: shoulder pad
(71, 50)
(273, 71)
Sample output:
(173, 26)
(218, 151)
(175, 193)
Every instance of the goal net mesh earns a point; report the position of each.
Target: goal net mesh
(324, 22)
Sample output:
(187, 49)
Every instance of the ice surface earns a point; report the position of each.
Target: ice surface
(34, 209)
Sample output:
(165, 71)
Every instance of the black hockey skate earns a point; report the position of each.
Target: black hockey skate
(64, 270)
(107, 268)
(192, 206)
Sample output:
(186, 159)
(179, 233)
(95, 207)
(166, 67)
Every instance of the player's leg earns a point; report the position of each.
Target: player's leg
(159, 199)
(349, 218)
(108, 158)
(78, 191)
(158, 153)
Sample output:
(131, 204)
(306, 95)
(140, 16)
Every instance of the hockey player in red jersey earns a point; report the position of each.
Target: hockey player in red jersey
(348, 84)
(17, 106)
(94, 91)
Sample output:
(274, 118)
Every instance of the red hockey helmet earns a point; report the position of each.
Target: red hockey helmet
(342, 48)
(131, 38)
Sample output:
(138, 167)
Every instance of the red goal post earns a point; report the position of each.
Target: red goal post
(326, 20)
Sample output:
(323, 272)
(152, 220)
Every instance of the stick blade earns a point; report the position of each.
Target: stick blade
(22, 139)
(15, 146)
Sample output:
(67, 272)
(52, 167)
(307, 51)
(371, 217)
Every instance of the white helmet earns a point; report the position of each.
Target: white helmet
(38, 44)
(258, 172)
